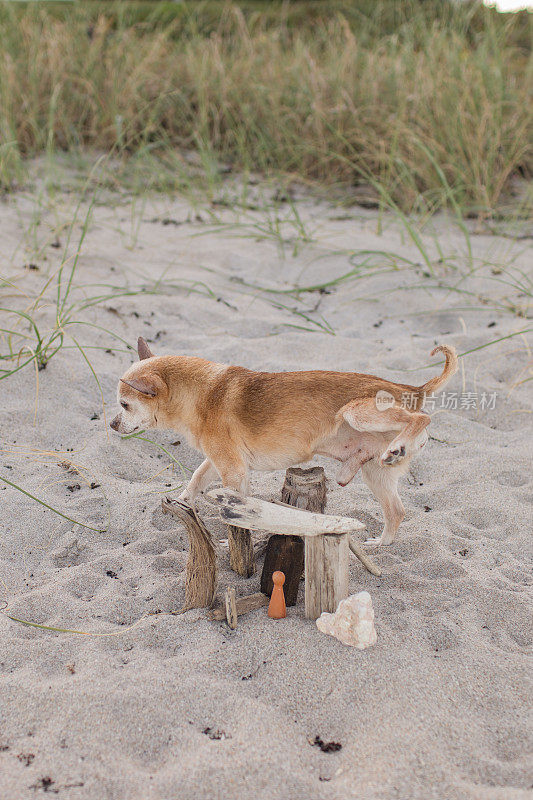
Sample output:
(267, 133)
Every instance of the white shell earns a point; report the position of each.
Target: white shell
(352, 623)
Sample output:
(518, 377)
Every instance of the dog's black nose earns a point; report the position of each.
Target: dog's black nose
(115, 423)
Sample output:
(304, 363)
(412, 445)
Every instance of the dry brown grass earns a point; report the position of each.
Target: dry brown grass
(424, 114)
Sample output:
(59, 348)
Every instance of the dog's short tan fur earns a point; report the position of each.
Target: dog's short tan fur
(243, 420)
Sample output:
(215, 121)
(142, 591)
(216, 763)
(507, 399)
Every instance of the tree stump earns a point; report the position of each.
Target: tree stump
(305, 489)
(241, 551)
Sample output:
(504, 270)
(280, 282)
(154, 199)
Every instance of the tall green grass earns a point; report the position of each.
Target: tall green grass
(326, 92)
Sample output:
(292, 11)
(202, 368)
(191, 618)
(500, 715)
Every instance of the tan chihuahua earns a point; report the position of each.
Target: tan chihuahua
(243, 420)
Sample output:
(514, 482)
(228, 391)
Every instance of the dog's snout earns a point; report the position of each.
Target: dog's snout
(115, 423)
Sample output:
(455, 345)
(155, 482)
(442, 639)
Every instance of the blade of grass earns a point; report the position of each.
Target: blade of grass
(51, 508)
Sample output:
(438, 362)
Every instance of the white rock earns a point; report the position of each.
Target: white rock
(352, 623)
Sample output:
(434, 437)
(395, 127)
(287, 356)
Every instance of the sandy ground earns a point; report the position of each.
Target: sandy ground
(181, 707)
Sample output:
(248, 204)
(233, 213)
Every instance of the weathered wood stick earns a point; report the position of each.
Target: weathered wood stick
(241, 551)
(201, 579)
(231, 608)
(242, 605)
(365, 560)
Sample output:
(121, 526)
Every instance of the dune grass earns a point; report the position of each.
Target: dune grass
(328, 93)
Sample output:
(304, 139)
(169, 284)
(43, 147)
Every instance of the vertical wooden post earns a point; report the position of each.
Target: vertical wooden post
(284, 554)
(231, 608)
(326, 573)
(241, 551)
(305, 489)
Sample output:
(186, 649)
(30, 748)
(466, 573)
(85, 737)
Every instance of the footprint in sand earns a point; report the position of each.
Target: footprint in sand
(474, 523)
(442, 638)
(450, 570)
(483, 517)
(70, 551)
(148, 545)
(166, 564)
(512, 478)
(85, 585)
(414, 547)
(163, 522)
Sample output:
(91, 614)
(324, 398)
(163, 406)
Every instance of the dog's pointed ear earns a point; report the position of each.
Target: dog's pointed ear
(150, 386)
(143, 349)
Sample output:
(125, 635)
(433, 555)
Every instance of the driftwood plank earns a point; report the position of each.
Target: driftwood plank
(250, 512)
(242, 604)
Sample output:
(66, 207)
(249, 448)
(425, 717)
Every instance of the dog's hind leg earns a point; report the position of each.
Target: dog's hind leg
(363, 415)
(409, 440)
(383, 482)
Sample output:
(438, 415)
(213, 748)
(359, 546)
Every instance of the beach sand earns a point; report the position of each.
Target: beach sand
(176, 706)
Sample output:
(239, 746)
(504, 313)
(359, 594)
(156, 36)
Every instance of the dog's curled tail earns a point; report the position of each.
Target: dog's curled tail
(450, 368)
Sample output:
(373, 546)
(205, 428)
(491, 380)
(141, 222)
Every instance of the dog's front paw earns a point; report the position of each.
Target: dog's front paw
(187, 498)
(393, 455)
(379, 541)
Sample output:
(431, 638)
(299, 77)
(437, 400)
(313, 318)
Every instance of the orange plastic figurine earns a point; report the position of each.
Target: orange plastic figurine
(276, 607)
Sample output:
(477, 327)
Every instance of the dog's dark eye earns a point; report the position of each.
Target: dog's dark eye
(124, 405)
